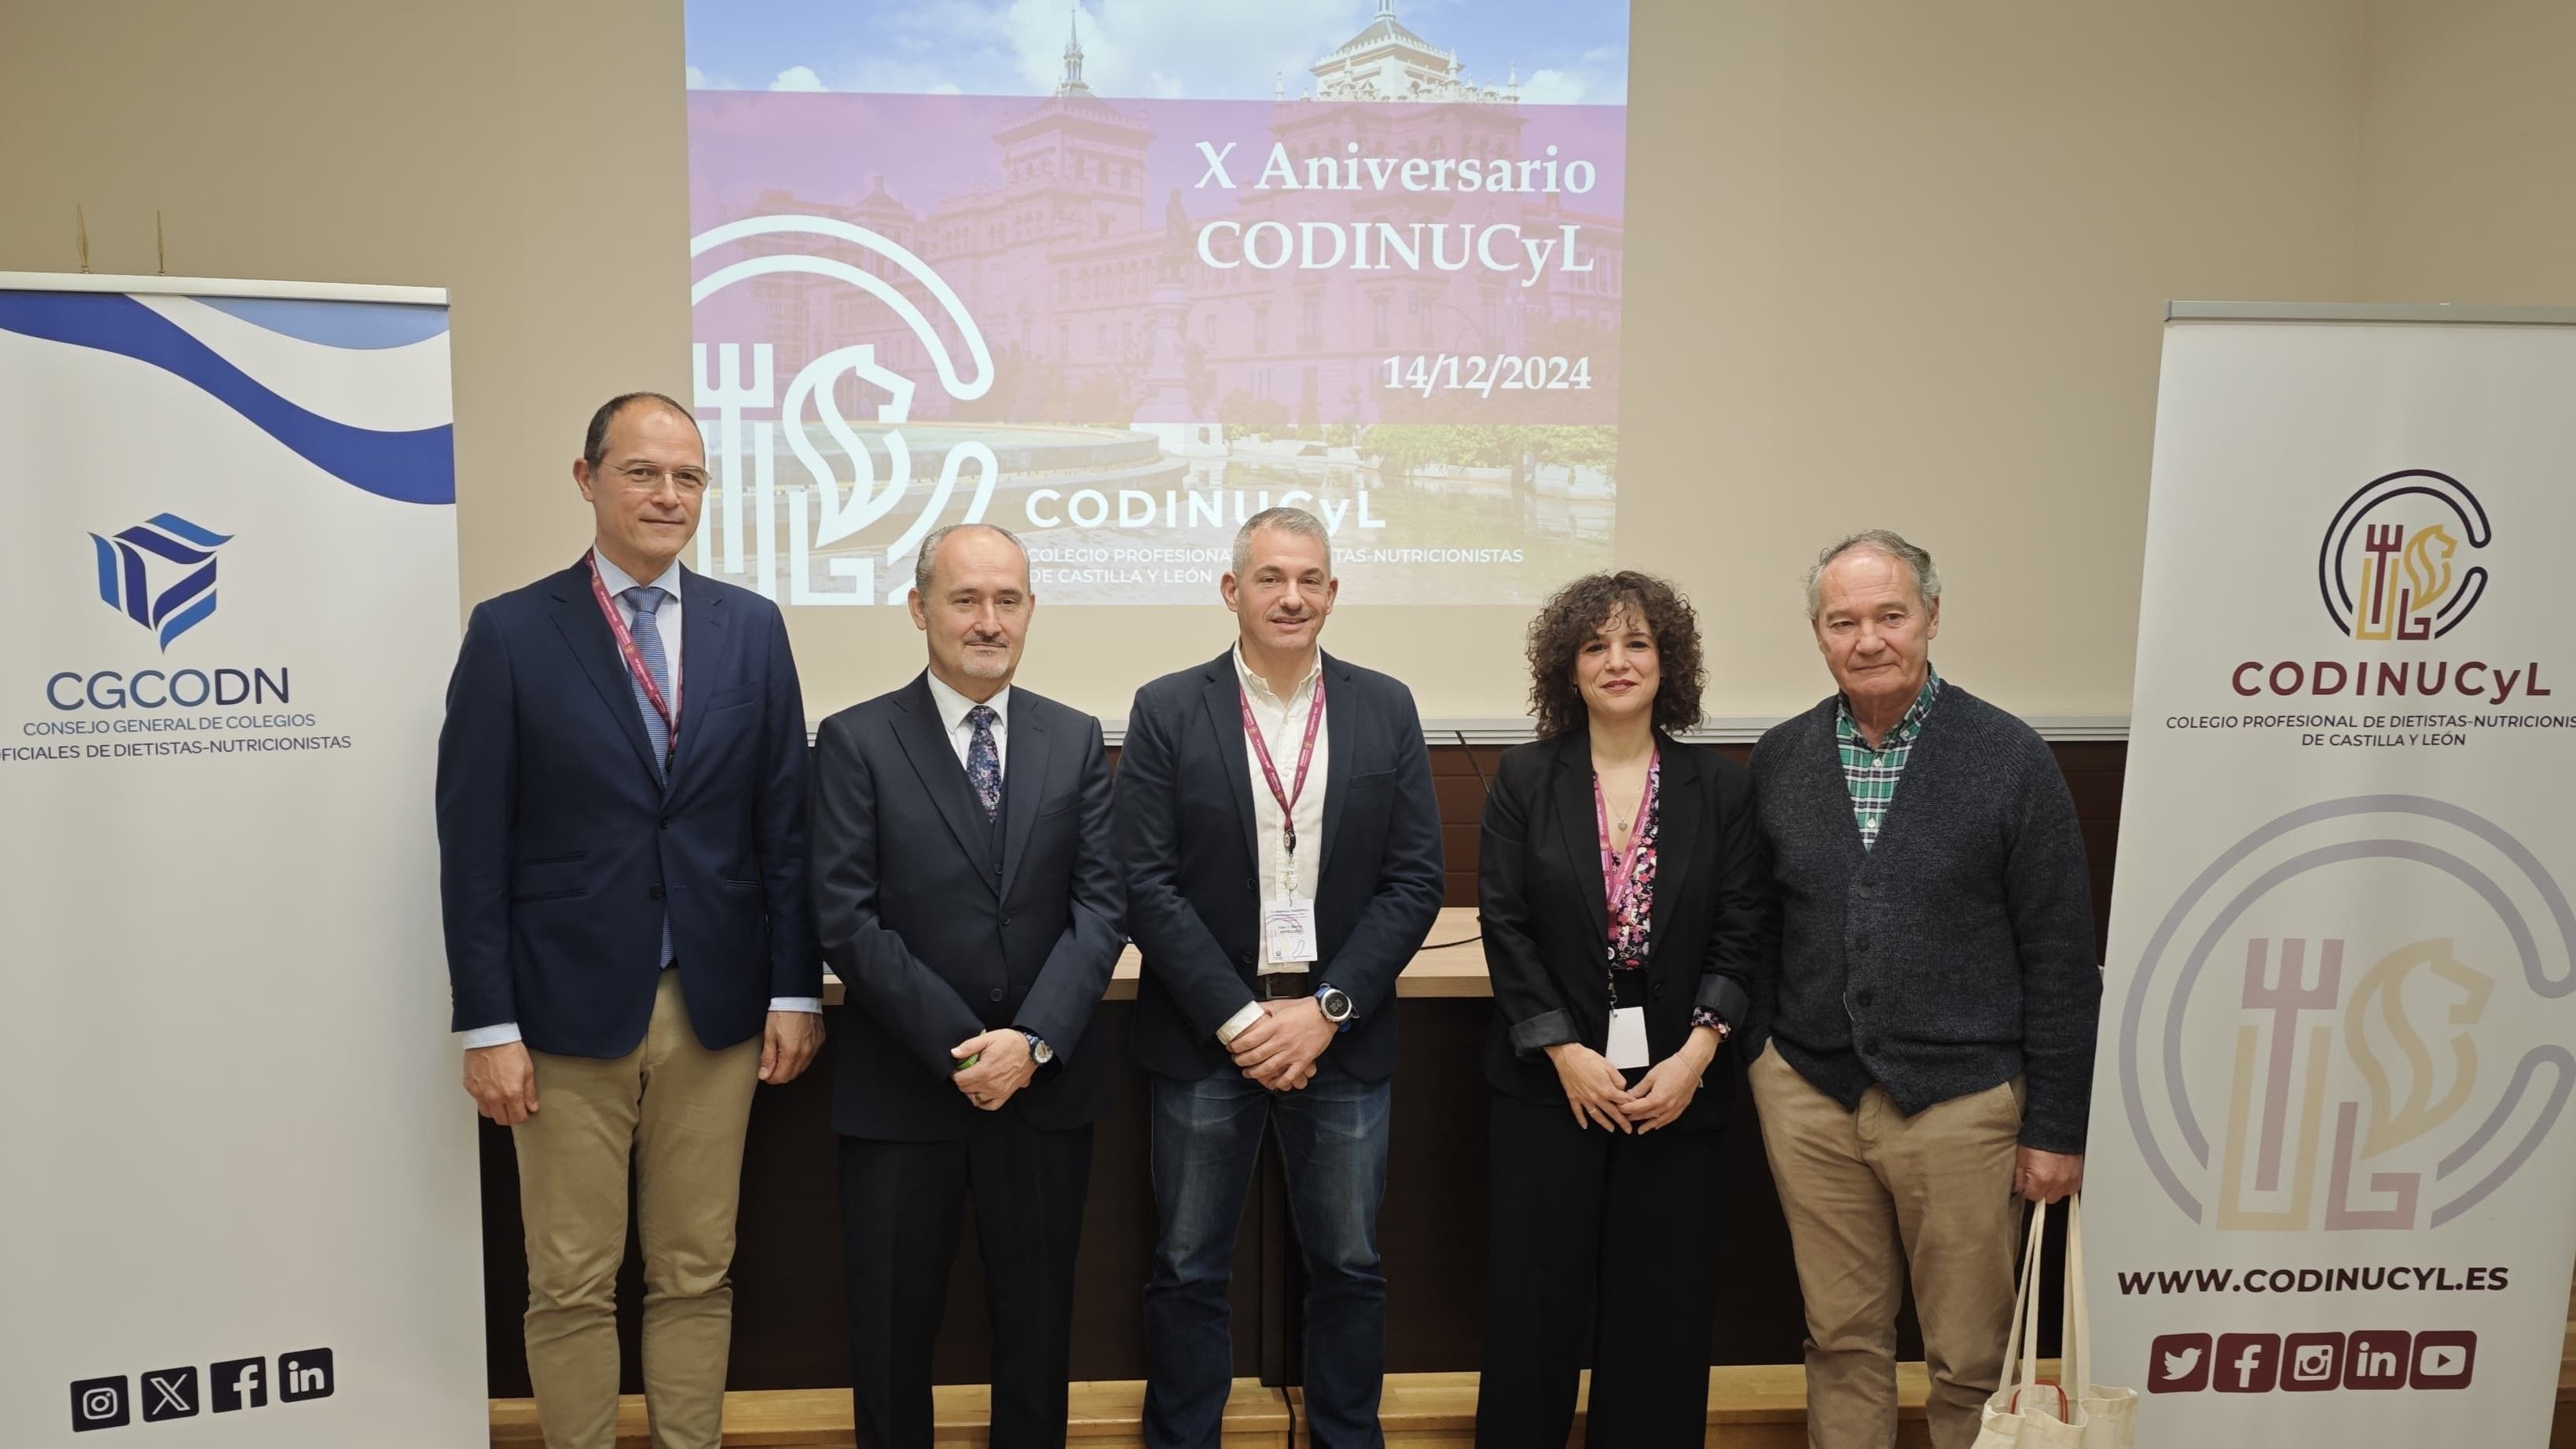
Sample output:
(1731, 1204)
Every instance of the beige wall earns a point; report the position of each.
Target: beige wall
(1889, 264)
(2471, 134)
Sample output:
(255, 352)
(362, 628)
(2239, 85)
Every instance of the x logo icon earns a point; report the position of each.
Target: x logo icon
(170, 1394)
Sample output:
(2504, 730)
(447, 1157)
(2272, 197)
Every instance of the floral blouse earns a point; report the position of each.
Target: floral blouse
(1632, 909)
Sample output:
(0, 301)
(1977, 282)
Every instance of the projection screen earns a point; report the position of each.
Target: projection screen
(1116, 275)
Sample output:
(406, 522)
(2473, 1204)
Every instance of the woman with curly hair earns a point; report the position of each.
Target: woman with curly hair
(1620, 894)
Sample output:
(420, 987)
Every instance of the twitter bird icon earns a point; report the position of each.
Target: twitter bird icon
(2178, 1363)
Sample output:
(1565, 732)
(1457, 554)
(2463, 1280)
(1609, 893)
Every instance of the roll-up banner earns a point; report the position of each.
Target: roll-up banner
(2333, 1174)
(240, 1204)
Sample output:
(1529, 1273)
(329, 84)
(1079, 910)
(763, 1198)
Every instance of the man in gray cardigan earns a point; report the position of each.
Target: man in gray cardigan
(1922, 1020)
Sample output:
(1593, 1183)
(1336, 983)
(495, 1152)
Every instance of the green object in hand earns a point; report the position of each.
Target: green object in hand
(968, 1062)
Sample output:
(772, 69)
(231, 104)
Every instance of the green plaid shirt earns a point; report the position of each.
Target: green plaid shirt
(1871, 775)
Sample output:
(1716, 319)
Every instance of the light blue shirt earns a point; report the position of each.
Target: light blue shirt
(667, 621)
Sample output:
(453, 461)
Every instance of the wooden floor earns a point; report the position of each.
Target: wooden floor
(1753, 1407)
(1761, 1407)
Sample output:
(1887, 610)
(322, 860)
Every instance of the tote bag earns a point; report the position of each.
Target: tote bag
(2108, 1415)
(2027, 1412)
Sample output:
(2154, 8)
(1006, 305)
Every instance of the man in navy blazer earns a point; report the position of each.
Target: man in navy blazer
(966, 890)
(1282, 854)
(621, 831)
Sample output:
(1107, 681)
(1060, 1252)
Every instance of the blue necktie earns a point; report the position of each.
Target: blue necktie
(984, 761)
(646, 600)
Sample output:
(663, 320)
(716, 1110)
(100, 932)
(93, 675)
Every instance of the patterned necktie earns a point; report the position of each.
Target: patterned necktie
(645, 600)
(984, 761)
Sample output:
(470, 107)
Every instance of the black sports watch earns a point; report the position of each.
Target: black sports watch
(1336, 1005)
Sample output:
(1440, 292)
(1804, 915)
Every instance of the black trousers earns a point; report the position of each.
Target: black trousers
(902, 1214)
(1590, 1225)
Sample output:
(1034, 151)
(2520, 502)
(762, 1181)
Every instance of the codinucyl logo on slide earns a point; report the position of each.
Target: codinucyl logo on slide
(168, 597)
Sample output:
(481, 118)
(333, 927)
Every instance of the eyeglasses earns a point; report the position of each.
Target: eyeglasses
(646, 478)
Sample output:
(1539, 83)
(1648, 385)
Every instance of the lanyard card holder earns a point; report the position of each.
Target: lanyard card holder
(1627, 1048)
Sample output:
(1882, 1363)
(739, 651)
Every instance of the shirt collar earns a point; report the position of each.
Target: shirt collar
(954, 707)
(1906, 728)
(618, 580)
(1255, 684)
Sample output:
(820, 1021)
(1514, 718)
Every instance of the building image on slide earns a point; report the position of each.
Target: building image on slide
(1388, 292)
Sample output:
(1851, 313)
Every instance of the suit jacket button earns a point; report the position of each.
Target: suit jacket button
(655, 892)
(1251, 884)
(1245, 958)
(997, 993)
(1006, 918)
(666, 824)
(1656, 991)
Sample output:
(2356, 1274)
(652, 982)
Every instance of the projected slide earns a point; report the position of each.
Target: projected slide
(1117, 275)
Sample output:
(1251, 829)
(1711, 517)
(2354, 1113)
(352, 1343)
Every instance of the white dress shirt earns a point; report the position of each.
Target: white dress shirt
(666, 622)
(953, 709)
(1282, 723)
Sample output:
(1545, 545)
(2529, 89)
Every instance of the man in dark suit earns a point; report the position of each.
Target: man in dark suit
(1282, 854)
(621, 834)
(967, 894)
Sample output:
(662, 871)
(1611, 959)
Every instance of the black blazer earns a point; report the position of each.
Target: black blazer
(1541, 901)
(932, 945)
(560, 848)
(1185, 826)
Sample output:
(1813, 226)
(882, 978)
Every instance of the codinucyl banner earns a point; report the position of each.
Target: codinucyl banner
(240, 1202)
(2333, 1173)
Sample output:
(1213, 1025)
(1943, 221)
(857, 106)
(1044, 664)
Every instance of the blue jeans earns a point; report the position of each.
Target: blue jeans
(1207, 1136)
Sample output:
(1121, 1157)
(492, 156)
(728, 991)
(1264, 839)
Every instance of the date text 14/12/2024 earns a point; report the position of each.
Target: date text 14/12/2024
(1485, 376)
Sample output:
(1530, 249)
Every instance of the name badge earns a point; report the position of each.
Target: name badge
(1628, 1039)
(1287, 934)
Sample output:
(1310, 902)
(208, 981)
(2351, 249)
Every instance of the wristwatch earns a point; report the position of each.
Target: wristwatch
(1336, 1006)
(1039, 1052)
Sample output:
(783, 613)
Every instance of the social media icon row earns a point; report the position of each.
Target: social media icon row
(230, 1385)
(2261, 1363)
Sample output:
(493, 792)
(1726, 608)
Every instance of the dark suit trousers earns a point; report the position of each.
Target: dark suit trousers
(902, 1213)
(1577, 1209)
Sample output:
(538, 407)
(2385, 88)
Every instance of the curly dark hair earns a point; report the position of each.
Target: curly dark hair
(1576, 612)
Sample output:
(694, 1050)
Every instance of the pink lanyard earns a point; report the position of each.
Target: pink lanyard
(1618, 874)
(670, 710)
(1286, 796)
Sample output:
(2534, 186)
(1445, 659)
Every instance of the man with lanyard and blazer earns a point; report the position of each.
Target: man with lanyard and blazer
(621, 833)
(967, 895)
(1282, 855)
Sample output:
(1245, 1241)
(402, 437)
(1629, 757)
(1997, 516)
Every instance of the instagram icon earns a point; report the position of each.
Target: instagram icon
(100, 1404)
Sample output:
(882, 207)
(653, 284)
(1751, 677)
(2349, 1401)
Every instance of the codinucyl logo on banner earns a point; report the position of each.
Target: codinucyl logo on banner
(2389, 567)
(2399, 563)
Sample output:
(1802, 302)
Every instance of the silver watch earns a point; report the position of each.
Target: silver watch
(1039, 1051)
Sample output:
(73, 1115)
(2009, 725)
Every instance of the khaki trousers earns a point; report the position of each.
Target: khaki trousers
(1869, 1192)
(679, 1111)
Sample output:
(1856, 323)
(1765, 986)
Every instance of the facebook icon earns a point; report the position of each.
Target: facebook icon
(2247, 1363)
(238, 1383)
